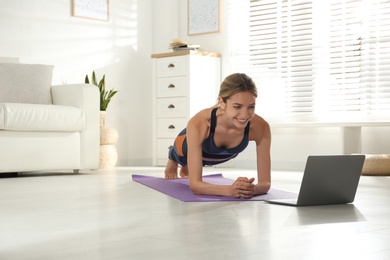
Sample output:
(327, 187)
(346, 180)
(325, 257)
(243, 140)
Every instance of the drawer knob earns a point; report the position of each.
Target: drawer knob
(171, 106)
(171, 65)
(171, 86)
(171, 127)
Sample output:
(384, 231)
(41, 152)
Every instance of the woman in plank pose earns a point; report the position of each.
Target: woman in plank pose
(218, 134)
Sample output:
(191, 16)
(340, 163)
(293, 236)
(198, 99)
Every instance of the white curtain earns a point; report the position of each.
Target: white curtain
(313, 57)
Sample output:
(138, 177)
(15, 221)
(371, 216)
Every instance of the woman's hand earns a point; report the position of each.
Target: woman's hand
(243, 188)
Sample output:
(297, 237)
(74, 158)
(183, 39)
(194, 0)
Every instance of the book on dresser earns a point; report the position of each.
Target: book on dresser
(184, 82)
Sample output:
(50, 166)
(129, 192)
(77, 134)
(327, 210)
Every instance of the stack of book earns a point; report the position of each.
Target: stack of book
(180, 45)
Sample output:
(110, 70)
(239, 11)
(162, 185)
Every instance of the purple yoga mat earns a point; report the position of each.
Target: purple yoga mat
(179, 189)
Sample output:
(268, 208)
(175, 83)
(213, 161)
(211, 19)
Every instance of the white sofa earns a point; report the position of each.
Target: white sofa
(45, 127)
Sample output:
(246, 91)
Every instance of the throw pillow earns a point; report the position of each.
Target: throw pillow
(25, 83)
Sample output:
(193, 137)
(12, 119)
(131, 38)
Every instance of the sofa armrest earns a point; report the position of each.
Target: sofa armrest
(87, 98)
(76, 95)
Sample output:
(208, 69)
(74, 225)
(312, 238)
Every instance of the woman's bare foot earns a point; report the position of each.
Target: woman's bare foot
(171, 170)
(184, 172)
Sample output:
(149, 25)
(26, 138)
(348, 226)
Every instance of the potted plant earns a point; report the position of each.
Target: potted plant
(108, 136)
(105, 96)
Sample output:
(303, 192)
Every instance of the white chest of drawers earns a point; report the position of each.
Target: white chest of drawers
(184, 83)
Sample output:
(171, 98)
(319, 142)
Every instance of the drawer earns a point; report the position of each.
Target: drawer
(170, 127)
(172, 66)
(171, 107)
(162, 148)
(171, 87)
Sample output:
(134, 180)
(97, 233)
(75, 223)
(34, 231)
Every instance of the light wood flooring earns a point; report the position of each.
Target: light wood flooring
(105, 215)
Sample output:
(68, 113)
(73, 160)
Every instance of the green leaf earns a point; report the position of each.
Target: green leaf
(94, 78)
(102, 84)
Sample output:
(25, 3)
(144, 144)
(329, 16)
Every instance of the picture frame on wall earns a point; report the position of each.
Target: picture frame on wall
(91, 9)
(203, 16)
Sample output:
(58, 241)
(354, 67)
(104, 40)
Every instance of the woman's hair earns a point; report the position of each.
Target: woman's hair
(235, 83)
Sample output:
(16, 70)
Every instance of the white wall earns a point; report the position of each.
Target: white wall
(39, 31)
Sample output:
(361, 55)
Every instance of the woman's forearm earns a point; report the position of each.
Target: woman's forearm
(204, 188)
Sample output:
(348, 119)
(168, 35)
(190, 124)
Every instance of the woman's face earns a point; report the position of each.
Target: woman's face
(240, 108)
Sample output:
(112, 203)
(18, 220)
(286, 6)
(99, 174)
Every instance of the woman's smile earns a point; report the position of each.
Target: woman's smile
(243, 121)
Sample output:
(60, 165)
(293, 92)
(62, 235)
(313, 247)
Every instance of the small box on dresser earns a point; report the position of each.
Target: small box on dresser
(184, 83)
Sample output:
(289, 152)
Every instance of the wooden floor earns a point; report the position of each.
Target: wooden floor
(105, 215)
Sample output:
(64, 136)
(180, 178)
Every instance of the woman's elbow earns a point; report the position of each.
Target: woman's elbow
(264, 188)
(267, 187)
(195, 189)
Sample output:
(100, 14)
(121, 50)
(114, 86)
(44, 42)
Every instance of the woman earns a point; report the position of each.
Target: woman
(218, 134)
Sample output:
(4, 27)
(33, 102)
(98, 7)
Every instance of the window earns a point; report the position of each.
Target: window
(313, 57)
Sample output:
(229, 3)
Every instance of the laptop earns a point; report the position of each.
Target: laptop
(327, 179)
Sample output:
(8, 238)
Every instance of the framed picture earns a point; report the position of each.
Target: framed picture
(91, 9)
(203, 16)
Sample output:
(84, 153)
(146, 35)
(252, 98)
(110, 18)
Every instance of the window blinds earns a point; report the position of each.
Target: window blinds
(376, 55)
(316, 57)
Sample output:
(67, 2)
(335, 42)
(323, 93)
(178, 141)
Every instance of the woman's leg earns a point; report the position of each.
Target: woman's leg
(171, 170)
(184, 171)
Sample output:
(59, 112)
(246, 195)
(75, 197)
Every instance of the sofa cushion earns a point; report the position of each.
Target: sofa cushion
(25, 83)
(35, 117)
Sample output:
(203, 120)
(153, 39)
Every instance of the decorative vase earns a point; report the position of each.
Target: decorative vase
(102, 119)
(108, 139)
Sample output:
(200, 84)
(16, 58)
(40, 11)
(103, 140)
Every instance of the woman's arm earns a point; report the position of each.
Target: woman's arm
(197, 132)
(261, 134)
